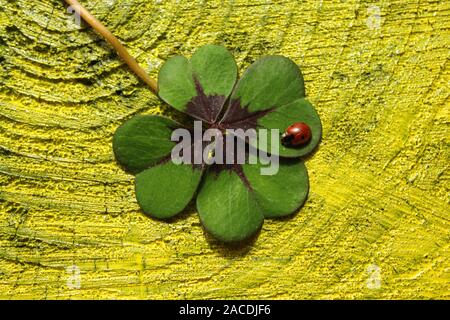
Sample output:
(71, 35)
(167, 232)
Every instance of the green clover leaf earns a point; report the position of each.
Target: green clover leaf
(232, 199)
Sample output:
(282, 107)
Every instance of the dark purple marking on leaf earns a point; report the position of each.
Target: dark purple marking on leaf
(240, 172)
(194, 152)
(203, 107)
(235, 166)
(238, 117)
(168, 158)
(164, 160)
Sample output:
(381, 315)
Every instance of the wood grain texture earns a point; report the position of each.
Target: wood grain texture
(376, 224)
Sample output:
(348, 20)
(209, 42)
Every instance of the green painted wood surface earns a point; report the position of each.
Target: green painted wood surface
(376, 224)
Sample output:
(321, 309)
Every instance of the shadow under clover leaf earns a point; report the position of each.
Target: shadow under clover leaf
(232, 199)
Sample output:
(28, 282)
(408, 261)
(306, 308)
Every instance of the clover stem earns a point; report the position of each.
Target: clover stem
(115, 43)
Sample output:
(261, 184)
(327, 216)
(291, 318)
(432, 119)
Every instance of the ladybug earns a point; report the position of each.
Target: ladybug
(297, 134)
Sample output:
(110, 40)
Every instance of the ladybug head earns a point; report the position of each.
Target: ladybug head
(286, 139)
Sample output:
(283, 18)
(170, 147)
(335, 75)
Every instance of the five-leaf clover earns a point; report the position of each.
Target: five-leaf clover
(232, 200)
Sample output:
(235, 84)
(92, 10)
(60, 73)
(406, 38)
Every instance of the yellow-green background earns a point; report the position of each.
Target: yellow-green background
(376, 224)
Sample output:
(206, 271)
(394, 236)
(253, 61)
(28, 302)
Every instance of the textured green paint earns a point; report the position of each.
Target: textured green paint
(376, 222)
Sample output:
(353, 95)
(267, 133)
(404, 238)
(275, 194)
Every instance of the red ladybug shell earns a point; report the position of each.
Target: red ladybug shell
(296, 134)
